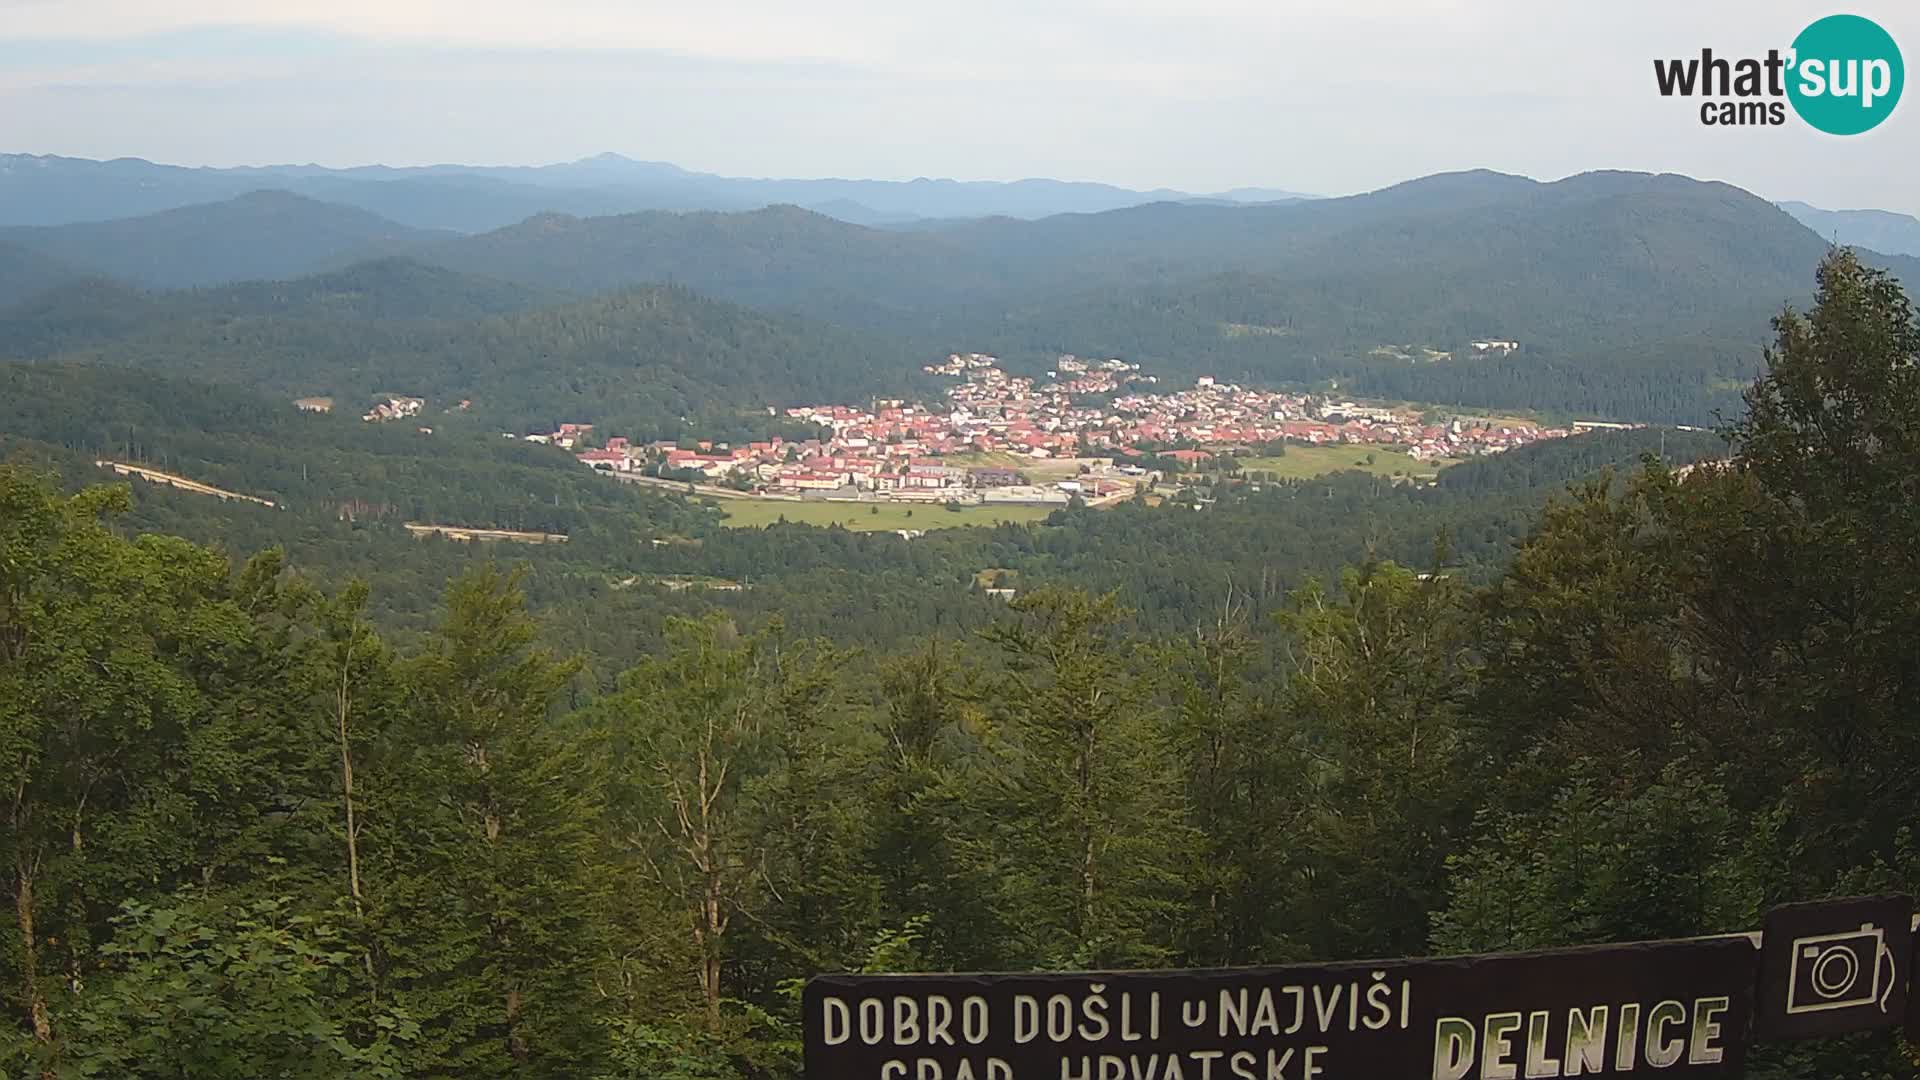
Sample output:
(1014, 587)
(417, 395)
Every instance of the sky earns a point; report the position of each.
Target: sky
(1321, 96)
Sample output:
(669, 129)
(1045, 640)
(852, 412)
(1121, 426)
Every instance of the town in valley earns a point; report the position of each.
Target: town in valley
(1094, 430)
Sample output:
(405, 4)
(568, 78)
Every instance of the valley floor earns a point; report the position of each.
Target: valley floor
(754, 513)
(1305, 462)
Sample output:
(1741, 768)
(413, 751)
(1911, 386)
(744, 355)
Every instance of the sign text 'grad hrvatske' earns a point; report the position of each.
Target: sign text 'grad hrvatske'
(1678, 1008)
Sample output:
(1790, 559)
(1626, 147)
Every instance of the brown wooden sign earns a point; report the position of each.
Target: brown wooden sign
(1679, 1008)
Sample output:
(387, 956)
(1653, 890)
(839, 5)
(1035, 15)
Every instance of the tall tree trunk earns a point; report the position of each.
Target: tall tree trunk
(346, 785)
(712, 932)
(713, 904)
(30, 956)
(1088, 839)
(711, 977)
(516, 1042)
(345, 702)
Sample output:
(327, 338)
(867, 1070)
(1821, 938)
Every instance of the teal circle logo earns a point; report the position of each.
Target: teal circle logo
(1846, 75)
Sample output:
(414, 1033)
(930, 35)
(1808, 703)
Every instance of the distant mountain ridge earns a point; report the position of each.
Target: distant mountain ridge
(1881, 230)
(1454, 232)
(49, 190)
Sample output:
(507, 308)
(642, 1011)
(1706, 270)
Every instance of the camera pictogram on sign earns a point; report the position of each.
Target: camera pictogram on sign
(1841, 971)
(1834, 967)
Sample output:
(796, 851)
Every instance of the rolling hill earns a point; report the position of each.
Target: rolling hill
(643, 357)
(787, 256)
(1611, 282)
(782, 257)
(98, 312)
(260, 235)
(1637, 297)
(1599, 275)
(317, 468)
(1586, 250)
(1594, 260)
(25, 273)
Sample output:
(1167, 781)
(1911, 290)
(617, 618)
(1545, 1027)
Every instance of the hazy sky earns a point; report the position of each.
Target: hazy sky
(1328, 96)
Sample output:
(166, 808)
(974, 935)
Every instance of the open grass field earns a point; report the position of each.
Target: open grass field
(1039, 470)
(1302, 462)
(872, 517)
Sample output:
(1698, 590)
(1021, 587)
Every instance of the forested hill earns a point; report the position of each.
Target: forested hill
(1632, 296)
(1581, 271)
(1442, 257)
(25, 274)
(782, 257)
(96, 312)
(264, 234)
(641, 359)
(1451, 245)
(1177, 235)
(314, 467)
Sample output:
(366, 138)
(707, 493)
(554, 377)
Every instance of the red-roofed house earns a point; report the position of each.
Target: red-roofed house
(605, 460)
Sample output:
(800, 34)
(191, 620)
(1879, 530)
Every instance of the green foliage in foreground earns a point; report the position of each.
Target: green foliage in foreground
(247, 836)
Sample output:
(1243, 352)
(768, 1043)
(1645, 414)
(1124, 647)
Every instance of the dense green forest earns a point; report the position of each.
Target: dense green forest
(250, 833)
(25, 274)
(272, 234)
(649, 362)
(314, 465)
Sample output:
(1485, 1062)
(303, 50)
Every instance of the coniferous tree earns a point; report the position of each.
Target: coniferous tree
(1083, 826)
